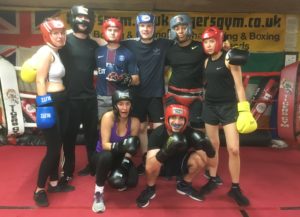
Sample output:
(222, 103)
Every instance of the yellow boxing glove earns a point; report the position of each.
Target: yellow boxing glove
(28, 71)
(245, 122)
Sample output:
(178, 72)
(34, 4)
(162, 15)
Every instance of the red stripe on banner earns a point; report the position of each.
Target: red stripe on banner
(25, 38)
(261, 74)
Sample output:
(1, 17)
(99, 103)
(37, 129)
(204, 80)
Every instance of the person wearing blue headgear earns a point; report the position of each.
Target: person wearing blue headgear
(150, 54)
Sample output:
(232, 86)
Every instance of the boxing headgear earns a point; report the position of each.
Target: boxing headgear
(180, 19)
(176, 110)
(215, 33)
(78, 10)
(112, 22)
(119, 96)
(48, 26)
(144, 17)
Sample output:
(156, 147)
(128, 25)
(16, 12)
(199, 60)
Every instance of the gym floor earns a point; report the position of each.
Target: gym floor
(269, 177)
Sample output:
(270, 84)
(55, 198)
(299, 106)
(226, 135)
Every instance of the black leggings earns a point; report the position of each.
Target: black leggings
(104, 162)
(79, 111)
(50, 163)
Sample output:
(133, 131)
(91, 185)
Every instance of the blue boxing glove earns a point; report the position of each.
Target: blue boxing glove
(45, 112)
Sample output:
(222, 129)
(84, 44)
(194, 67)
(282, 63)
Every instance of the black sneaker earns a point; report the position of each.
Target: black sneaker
(60, 187)
(41, 198)
(237, 195)
(187, 189)
(218, 179)
(141, 169)
(144, 199)
(85, 171)
(208, 187)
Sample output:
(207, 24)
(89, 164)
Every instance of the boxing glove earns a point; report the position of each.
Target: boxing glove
(200, 142)
(237, 56)
(28, 71)
(245, 122)
(176, 143)
(125, 79)
(118, 178)
(128, 145)
(45, 112)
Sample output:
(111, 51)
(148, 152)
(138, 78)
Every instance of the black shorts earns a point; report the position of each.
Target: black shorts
(223, 114)
(176, 165)
(196, 119)
(148, 109)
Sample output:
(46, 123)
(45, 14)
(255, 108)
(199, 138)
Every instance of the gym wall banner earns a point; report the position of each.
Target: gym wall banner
(254, 31)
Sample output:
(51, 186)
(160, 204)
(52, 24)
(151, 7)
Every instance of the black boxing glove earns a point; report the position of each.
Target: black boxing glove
(175, 143)
(125, 79)
(118, 177)
(129, 145)
(237, 56)
(200, 142)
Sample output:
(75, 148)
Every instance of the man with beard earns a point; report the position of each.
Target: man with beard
(79, 61)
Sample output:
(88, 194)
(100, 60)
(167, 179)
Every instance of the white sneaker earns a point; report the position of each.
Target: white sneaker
(98, 205)
(277, 143)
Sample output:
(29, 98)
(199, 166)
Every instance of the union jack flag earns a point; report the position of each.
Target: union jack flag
(21, 28)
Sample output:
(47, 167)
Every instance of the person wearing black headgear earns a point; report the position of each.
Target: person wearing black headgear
(78, 59)
(118, 142)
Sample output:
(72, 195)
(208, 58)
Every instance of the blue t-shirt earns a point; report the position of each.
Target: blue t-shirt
(151, 63)
(120, 60)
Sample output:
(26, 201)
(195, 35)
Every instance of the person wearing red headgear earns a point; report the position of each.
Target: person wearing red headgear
(116, 65)
(224, 90)
(179, 150)
(50, 102)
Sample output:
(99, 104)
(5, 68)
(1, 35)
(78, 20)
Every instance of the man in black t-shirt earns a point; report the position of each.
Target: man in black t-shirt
(78, 57)
(181, 150)
(186, 58)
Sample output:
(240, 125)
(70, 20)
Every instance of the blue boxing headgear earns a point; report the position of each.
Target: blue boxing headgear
(78, 10)
(180, 19)
(144, 17)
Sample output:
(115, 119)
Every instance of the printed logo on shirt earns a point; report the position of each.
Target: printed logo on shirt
(194, 47)
(218, 68)
(156, 51)
(99, 57)
(121, 58)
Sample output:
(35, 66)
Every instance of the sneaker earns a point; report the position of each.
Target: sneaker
(60, 187)
(41, 198)
(122, 189)
(141, 169)
(98, 204)
(85, 171)
(187, 189)
(144, 199)
(237, 195)
(218, 179)
(208, 187)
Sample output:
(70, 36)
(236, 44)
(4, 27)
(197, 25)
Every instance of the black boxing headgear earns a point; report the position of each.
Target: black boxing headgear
(80, 10)
(119, 96)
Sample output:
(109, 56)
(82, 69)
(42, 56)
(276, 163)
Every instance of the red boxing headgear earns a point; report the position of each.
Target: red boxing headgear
(48, 26)
(112, 22)
(215, 33)
(176, 110)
